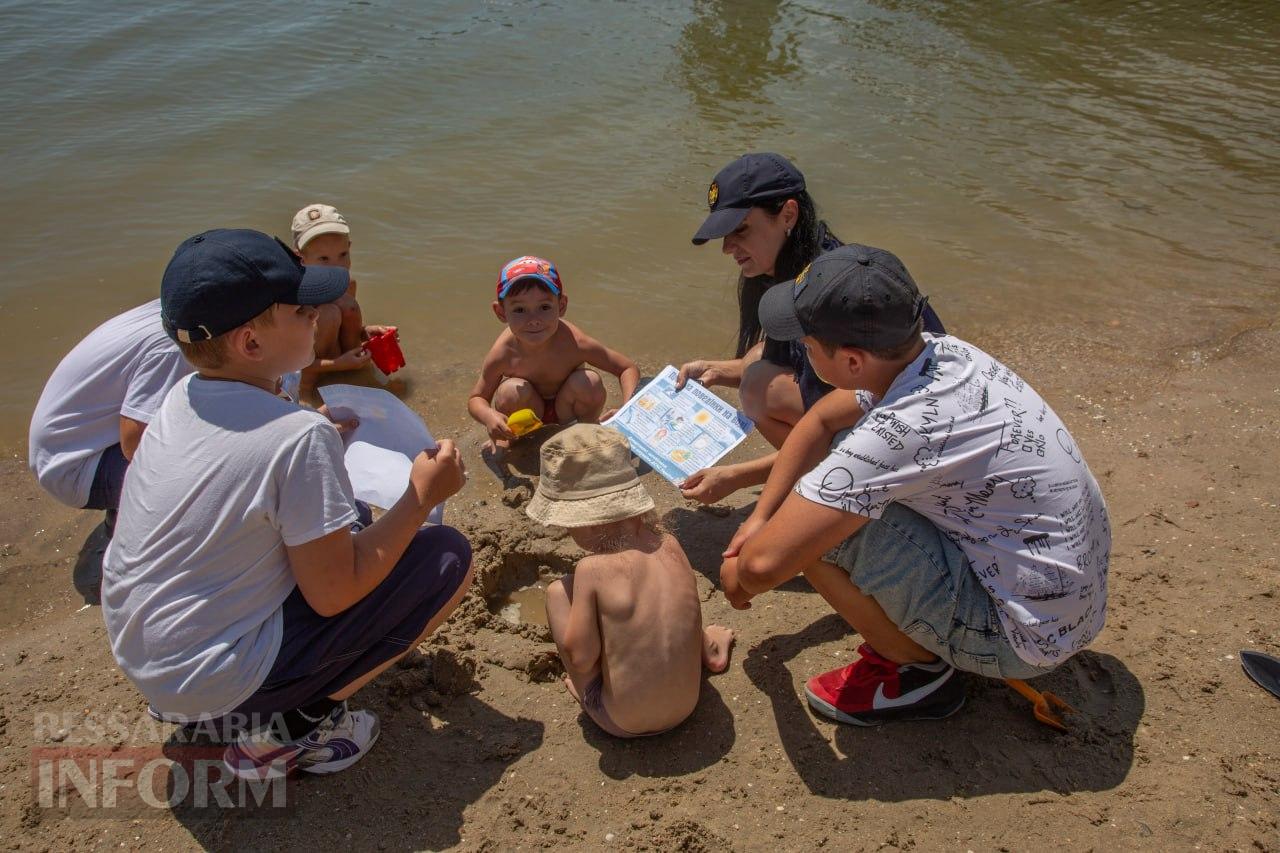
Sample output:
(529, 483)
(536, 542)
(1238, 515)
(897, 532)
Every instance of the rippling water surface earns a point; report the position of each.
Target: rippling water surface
(1062, 163)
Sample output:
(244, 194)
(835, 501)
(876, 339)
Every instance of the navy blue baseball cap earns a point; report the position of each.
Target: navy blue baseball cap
(224, 278)
(854, 295)
(744, 183)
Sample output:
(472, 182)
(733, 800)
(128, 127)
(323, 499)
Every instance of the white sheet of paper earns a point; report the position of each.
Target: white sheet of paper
(380, 452)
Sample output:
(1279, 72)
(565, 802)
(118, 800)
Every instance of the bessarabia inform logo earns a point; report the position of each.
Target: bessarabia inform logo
(128, 765)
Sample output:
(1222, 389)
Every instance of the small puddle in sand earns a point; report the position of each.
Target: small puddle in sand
(528, 604)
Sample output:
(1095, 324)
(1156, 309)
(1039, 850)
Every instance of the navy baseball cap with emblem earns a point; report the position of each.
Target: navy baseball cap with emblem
(744, 183)
(224, 278)
(854, 296)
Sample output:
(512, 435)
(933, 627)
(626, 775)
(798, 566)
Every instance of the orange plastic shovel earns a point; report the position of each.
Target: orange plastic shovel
(1046, 706)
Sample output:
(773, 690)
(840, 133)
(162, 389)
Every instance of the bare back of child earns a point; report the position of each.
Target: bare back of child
(644, 606)
(628, 621)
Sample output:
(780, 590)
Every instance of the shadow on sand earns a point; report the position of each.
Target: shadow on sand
(409, 793)
(704, 533)
(992, 746)
(696, 744)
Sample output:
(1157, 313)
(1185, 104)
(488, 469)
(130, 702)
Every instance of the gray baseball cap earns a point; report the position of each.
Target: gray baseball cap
(855, 295)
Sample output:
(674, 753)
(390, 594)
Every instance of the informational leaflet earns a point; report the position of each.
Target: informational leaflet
(381, 450)
(679, 432)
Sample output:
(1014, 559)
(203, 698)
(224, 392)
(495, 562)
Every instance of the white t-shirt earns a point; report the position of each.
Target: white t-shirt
(123, 367)
(226, 476)
(962, 440)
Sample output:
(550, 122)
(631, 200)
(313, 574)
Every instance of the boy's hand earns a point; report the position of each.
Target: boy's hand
(746, 530)
(708, 485)
(352, 360)
(496, 423)
(737, 597)
(343, 419)
(374, 331)
(437, 474)
(706, 372)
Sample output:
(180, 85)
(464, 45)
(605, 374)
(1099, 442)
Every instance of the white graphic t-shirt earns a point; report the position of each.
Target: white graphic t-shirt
(962, 440)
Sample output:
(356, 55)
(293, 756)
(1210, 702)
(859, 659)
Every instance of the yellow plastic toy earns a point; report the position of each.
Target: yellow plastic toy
(523, 421)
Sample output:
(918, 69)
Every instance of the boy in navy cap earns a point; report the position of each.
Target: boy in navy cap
(934, 500)
(244, 582)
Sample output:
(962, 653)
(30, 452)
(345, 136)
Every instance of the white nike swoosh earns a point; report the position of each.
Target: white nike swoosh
(879, 702)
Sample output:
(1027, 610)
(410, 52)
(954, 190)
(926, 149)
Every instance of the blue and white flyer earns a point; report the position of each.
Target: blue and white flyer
(679, 432)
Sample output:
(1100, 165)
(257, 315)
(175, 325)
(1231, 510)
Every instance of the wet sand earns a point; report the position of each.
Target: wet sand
(482, 749)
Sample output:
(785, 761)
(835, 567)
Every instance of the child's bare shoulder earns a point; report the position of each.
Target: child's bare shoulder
(672, 546)
(503, 349)
(669, 540)
(570, 339)
(579, 338)
(592, 351)
(600, 565)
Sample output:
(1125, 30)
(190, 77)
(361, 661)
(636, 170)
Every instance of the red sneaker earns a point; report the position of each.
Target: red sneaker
(873, 689)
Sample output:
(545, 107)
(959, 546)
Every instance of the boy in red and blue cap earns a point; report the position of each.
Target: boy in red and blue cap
(539, 361)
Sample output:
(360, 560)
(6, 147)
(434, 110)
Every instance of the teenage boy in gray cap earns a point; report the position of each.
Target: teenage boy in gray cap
(244, 582)
(938, 504)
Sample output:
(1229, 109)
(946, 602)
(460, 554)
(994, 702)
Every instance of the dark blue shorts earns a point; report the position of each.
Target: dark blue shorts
(320, 655)
(108, 480)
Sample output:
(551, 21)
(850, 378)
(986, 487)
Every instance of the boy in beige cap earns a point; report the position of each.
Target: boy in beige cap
(627, 622)
(322, 237)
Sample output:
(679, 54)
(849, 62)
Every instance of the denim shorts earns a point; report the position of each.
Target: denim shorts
(926, 586)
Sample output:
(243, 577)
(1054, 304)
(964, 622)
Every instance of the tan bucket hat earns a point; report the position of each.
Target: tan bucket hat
(587, 478)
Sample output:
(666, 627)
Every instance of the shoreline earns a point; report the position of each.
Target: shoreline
(442, 361)
(484, 750)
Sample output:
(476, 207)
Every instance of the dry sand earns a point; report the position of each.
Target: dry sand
(482, 749)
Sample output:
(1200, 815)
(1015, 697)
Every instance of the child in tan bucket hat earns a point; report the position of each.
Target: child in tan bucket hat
(627, 622)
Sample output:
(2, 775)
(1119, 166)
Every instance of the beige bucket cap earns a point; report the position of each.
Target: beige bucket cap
(587, 478)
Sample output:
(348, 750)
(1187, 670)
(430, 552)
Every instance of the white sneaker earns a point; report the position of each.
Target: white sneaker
(341, 739)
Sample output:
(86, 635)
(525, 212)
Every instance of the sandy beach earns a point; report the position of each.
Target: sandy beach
(1172, 746)
(1083, 190)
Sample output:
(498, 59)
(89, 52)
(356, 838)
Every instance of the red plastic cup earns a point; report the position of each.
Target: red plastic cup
(385, 350)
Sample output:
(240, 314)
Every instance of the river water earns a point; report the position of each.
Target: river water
(1068, 164)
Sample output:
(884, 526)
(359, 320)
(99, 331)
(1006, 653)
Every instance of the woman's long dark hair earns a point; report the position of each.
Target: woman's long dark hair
(808, 236)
